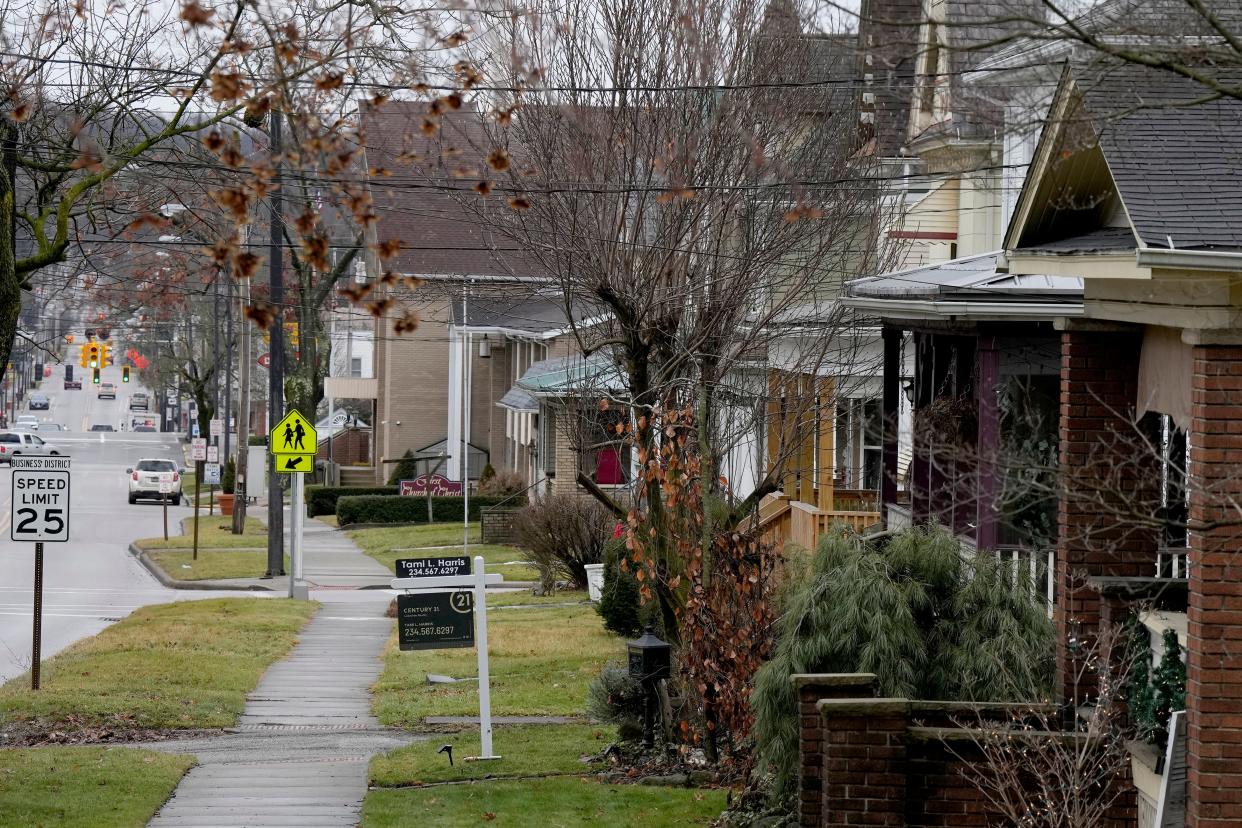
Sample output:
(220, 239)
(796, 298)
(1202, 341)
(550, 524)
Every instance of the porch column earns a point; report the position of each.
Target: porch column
(1214, 635)
(986, 534)
(890, 403)
(826, 424)
(1107, 492)
(805, 437)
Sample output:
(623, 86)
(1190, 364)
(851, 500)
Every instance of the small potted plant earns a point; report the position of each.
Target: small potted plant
(228, 478)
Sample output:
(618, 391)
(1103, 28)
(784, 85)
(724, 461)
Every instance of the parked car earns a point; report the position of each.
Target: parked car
(145, 479)
(138, 402)
(44, 427)
(107, 390)
(26, 422)
(39, 401)
(102, 427)
(13, 443)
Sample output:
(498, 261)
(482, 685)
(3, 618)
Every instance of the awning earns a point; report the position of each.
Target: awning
(517, 399)
(351, 388)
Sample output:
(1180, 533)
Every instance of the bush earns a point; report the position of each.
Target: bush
(616, 698)
(562, 533)
(620, 604)
(228, 476)
(256, 440)
(398, 509)
(501, 484)
(406, 469)
(321, 500)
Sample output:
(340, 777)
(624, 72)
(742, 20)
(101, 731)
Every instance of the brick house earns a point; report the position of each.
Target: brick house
(486, 313)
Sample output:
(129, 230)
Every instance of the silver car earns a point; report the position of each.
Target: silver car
(13, 443)
(146, 477)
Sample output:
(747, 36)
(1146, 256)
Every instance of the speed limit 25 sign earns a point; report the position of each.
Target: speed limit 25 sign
(40, 499)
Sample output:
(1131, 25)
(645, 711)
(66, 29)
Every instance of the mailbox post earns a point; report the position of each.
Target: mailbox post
(650, 660)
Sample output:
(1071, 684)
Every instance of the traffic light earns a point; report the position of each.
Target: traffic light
(125, 373)
(105, 355)
(92, 355)
(95, 376)
(82, 354)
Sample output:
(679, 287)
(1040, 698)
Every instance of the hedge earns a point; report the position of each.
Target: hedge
(398, 509)
(321, 500)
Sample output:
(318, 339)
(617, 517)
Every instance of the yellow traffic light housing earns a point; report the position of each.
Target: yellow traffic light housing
(82, 354)
(105, 355)
(92, 355)
(125, 373)
(95, 376)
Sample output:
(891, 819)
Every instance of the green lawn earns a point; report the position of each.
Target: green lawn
(183, 665)
(523, 598)
(388, 543)
(541, 661)
(212, 563)
(86, 787)
(214, 532)
(549, 803)
(529, 750)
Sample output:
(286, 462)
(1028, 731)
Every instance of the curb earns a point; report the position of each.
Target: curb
(172, 583)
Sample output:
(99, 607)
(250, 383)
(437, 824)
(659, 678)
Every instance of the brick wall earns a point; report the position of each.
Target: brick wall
(811, 688)
(350, 447)
(497, 525)
(1105, 485)
(896, 762)
(1214, 659)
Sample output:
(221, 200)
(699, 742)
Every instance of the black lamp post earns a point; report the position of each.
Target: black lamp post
(650, 661)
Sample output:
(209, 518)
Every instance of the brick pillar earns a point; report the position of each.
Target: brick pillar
(1214, 660)
(864, 762)
(1107, 484)
(811, 688)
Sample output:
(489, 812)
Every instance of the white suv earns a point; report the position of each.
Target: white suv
(23, 442)
(145, 479)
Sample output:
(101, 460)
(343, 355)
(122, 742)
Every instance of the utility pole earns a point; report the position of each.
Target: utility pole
(276, 379)
(243, 416)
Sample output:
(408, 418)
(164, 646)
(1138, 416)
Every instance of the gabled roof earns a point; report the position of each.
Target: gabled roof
(1129, 150)
(968, 288)
(539, 315)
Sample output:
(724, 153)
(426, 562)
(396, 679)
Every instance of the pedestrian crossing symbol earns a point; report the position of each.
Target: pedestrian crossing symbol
(294, 442)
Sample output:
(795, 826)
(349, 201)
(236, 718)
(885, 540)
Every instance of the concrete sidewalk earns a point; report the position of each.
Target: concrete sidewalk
(299, 755)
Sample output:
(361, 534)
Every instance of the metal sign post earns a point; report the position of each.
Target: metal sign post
(40, 514)
(293, 443)
(418, 630)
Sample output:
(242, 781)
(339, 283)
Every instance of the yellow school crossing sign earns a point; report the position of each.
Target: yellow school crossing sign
(294, 442)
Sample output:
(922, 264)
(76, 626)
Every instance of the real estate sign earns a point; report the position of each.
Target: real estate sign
(435, 620)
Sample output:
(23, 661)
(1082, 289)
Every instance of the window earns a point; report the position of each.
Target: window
(10, 438)
(355, 366)
(156, 466)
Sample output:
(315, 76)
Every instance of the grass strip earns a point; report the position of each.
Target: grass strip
(527, 750)
(86, 787)
(212, 563)
(168, 666)
(550, 803)
(541, 661)
(214, 532)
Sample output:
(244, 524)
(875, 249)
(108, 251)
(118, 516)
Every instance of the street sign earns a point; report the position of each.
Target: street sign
(211, 474)
(264, 360)
(193, 427)
(432, 567)
(435, 620)
(165, 486)
(436, 485)
(217, 427)
(295, 463)
(293, 435)
(213, 454)
(40, 499)
(198, 448)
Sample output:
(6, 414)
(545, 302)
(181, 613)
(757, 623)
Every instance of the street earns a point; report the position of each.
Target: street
(92, 581)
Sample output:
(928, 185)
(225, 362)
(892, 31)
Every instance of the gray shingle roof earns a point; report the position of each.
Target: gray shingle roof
(1178, 168)
(968, 279)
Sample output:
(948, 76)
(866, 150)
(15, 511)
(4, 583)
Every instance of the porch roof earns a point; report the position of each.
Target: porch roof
(571, 376)
(972, 287)
(518, 399)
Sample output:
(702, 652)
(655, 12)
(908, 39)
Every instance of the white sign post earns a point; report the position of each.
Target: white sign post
(198, 449)
(40, 514)
(213, 454)
(477, 581)
(217, 427)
